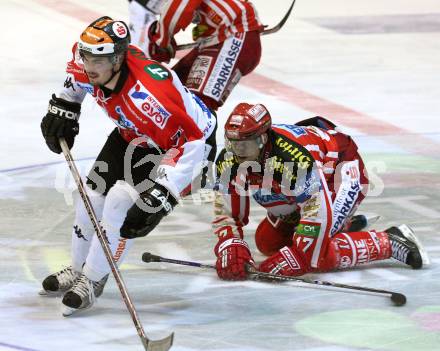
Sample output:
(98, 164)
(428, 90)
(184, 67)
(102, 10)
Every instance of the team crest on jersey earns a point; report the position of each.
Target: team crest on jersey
(123, 122)
(147, 103)
(157, 72)
(198, 73)
(176, 137)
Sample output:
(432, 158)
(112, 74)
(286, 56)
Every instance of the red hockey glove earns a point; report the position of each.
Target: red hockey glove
(232, 256)
(156, 52)
(285, 262)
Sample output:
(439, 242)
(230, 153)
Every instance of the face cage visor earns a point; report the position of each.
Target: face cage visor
(248, 149)
(112, 57)
(105, 49)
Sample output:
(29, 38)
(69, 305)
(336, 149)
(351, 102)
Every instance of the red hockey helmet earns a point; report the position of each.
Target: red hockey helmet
(247, 121)
(245, 128)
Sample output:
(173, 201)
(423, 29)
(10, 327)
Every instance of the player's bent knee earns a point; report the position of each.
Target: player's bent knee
(269, 239)
(118, 201)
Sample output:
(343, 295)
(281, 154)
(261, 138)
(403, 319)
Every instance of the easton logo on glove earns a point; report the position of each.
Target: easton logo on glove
(56, 110)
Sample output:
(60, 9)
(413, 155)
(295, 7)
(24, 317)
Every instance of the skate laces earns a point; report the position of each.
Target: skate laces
(66, 277)
(400, 251)
(84, 288)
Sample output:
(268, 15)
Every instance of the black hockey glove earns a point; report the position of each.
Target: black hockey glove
(157, 202)
(61, 120)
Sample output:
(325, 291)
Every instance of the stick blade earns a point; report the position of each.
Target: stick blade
(159, 345)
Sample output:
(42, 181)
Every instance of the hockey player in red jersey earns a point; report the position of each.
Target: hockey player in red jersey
(164, 136)
(311, 179)
(227, 33)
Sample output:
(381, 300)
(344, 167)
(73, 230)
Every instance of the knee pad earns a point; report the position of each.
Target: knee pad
(270, 237)
(118, 201)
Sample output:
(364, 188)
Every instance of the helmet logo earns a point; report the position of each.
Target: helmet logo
(257, 112)
(119, 29)
(236, 120)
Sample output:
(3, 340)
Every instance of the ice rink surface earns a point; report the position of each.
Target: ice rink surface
(371, 67)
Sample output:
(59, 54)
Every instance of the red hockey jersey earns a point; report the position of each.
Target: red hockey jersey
(219, 18)
(297, 176)
(153, 104)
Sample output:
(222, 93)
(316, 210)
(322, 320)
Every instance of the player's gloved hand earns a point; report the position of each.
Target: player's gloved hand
(284, 262)
(156, 52)
(61, 120)
(198, 31)
(233, 255)
(157, 202)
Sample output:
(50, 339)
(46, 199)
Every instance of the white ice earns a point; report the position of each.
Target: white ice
(383, 88)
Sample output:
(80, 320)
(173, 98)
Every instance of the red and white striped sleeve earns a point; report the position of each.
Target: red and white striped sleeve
(175, 16)
(232, 203)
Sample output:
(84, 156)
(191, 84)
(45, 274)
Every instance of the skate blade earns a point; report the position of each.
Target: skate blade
(46, 293)
(409, 234)
(371, 219)
(68, 311)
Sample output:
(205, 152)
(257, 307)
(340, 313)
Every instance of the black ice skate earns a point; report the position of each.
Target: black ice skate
(359, 222)
(59, 282)
(406, 248)
(82, 295)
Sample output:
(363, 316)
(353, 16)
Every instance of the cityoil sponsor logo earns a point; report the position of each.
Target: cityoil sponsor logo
(223, 68)
(146, 102)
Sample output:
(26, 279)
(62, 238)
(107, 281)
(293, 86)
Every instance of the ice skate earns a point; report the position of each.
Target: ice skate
(82, 295)
(59, 282)
(406, 247)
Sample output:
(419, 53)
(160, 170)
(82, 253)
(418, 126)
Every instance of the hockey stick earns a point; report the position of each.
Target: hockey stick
(149, 345)
(397, 298)
(274, 29)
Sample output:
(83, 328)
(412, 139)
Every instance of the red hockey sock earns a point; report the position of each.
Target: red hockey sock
(352, 249)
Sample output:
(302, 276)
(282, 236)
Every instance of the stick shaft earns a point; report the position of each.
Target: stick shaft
(147, 343)
(255, 275)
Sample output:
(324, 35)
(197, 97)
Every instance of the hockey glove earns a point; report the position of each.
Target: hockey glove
(157, 202)
(285, 262)
(232, 257)
(156, 52)
(61, 120)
